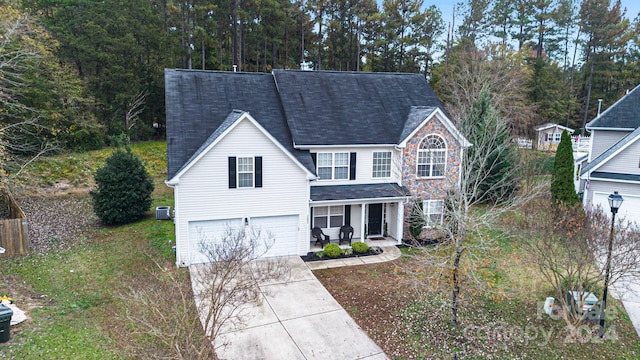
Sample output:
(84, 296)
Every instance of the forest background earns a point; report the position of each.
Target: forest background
(75, 74)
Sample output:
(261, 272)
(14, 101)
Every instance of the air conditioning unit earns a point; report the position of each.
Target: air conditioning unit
(163, 213)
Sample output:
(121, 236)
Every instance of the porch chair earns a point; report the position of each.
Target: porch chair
(321, 238)
(346, 234)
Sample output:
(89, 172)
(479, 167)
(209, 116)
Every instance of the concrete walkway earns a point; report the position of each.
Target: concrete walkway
(627, 290)
(299, 319)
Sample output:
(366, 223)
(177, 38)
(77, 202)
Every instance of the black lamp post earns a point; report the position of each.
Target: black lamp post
(615, 200)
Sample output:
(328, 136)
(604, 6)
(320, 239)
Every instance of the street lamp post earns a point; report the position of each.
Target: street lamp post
(615, 200)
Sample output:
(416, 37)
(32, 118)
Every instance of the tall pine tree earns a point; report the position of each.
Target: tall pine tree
(562, 187)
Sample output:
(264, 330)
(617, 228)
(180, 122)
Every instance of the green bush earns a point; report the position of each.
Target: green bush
(124, 187)
(360, 247)
(333, 251)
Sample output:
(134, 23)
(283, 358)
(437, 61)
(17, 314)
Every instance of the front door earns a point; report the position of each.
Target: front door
(375, 219)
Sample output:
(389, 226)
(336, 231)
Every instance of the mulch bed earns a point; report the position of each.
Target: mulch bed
(311, 256)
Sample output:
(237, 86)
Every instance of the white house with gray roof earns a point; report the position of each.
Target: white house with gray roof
(614, 157)
(292, 150)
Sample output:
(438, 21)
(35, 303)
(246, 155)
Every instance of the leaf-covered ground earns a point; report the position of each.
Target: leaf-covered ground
(408, 324)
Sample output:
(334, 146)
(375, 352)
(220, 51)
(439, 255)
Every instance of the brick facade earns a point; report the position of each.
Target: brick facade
(429, 189)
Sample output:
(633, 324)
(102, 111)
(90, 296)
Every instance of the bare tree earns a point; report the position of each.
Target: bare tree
(474, 205)
(135, 106)
(231, 279)
(503, 73)
(18, 124)
(224, 287)
(569, 247)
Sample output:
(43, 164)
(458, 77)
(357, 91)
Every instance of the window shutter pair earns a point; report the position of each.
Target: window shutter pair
(257, 172)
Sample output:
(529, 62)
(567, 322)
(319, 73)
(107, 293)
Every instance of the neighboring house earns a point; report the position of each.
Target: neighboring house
(614, 157)
(549, 135)
(292, 150)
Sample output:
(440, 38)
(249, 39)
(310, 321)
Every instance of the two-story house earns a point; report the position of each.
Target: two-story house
(614, 157)
(292, 150)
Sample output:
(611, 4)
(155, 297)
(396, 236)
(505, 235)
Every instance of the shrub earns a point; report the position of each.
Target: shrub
(333, 251)
(347, 252)
(360, 247)
(124, 189)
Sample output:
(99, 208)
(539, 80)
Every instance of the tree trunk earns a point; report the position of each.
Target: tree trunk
(455, 294)
(586, 106)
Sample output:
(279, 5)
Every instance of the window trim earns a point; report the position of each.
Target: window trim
(426, 209)
(333, 165)
(373, 164)
(327, 217)
(429, 154)
(252, 172)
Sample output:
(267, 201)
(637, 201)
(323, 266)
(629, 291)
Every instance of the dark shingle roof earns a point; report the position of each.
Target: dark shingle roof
(358, 192)
(199, 102)
(343, 108)
(610, 151)
(624, 114)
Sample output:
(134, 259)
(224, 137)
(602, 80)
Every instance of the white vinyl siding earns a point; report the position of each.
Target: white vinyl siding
(381, 164)
(364, 165)
(202, 194)
(601, 140)
(627, 161)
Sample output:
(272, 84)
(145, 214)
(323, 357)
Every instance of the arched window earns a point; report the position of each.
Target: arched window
(432, 157)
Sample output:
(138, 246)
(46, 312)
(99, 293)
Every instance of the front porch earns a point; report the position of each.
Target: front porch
(379, 241)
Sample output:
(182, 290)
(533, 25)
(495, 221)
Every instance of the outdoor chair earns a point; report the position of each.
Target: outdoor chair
(346, 234)
(321, 238)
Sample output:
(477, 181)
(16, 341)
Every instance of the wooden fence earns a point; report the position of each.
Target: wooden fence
(14, 234)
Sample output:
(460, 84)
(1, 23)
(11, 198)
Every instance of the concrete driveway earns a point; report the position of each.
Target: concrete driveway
(627, 289)
(298, 319)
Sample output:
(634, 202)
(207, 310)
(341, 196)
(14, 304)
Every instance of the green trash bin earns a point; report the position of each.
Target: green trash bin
(5, 322)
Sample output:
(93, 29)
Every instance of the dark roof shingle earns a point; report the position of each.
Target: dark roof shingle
(198, 102)
(624, 114)
(344, 108)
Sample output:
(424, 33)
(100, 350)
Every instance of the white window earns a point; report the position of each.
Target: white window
(432, 155)
(381, 164)
(245, 172)
(433, 211)
(332, 166)
(557, 137)
(328, 216)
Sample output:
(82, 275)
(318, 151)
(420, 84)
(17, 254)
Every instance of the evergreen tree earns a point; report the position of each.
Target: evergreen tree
(562, 187)
(124, 189)
(495, 177)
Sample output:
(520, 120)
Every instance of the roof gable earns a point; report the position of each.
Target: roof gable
(419, 116)
(552, 125)
(623, 115)
(199, 102)
(234, 118)
(618, 147)
(350, 108)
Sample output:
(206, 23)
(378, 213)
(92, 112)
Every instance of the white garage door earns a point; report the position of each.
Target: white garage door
(279, 235)
(280, 231)
(207, 233)
(630, 207)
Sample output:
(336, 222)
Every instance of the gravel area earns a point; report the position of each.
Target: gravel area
(57, 222)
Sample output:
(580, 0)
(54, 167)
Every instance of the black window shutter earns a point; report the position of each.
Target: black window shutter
(313, 158)
(258, 161)
(232, 172)
(347, 214)
(352, 166)
(311, 222)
